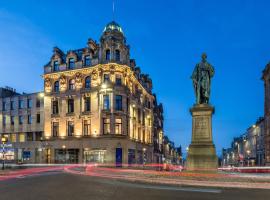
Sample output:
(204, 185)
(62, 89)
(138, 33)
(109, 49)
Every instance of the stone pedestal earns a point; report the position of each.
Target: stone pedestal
(202, 153)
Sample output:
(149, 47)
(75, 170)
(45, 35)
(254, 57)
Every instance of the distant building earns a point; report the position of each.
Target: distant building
(248, 149)
(266, 79)
(22, 122)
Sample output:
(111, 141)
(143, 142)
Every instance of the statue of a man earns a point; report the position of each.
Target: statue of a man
(201, 78)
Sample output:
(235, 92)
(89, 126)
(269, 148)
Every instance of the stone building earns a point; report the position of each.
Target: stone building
(266, 79)
(97, 106)
(21, 117)
(158, 132)
(248, 149)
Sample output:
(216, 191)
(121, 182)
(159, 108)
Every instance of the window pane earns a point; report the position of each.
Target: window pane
(87, 104)
(87, 61)
(56, 86)
(118, 126)
(108, 55)
(70, 128)
(71, 63)
(118, 102)
(106, 102)
(55, 66)
(87, 82)
(117, 55)
(106, 126)
(72, 84)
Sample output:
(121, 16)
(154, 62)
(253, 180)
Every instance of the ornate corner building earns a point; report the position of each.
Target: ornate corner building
(97, 107)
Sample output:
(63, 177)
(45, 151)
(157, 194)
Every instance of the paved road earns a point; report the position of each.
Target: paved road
(59, 185)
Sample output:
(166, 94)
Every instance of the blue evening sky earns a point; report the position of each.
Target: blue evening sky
(166, 39)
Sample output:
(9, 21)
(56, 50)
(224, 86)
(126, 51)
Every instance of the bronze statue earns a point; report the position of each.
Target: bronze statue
(201, 78)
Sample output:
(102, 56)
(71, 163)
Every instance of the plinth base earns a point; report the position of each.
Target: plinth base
(202, 152)
(202, 157)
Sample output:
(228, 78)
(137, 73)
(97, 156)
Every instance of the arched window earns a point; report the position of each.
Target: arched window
(87, 61)
(56, 86)
(117, 55)
(71, 84)
(108, 54)
(87, 82)
(71, 63)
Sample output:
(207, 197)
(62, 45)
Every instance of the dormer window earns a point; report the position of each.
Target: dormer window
(71, 63)
(108, 54)
(71, 84)
(117, 55)
(55, 65)
(56, 86)
(87, 61)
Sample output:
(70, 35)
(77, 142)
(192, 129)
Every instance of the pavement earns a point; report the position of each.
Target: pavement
(57, 185)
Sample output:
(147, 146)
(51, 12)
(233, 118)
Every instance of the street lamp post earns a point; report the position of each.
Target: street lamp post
(4, 141)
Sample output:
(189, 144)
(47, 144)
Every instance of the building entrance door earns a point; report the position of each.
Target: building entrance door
(118, 157)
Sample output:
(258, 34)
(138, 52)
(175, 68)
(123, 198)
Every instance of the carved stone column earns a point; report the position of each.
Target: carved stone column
(202, 152)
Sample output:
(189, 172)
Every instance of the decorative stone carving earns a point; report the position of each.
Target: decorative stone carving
(78, 80)
(48, 85)
(63, 83)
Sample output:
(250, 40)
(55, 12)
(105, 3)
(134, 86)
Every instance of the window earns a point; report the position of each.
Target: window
(87, 104)
(55, 66)
(4, 121)
(118, 80)
(87, 83)
(11, 105)
(106, 102)
(106, 78)
(21, 137)
(29, 136)
(29, 103)
(70, 128)
(56, 86)
(86, 127)
(71, 63)
(29, 119)
(71, 84)
(55, 107)
(106, 126)
(118, 126)
(3, 106)
(38, 118)
(118, 102)
(117, 55)
(13, 137)
(38, 103)
(55, 129)
(20, 104)
(20, 119)
(139, 115)
(12, 120)
(87, 61)
(108, 55)
(70, 105)
(38, 136)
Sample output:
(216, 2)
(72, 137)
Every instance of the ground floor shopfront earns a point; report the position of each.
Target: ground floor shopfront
(84, 150)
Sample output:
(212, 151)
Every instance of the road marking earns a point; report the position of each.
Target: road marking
(187, 189)
(161, 187)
